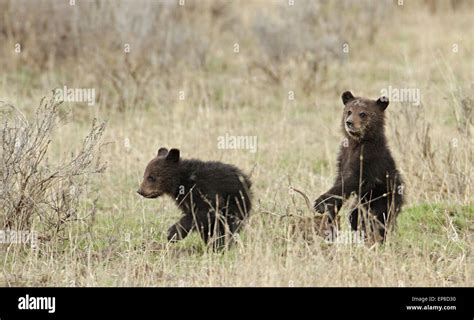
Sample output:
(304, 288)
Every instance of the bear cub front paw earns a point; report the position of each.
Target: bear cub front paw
(175, 233)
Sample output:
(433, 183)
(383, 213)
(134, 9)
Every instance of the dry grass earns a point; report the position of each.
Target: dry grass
(246, 93)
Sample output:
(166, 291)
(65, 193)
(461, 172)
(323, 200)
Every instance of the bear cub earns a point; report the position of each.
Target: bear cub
(365, 168)
(214, 197)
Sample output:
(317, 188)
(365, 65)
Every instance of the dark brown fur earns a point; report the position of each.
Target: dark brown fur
(214, 197)
(380, 188)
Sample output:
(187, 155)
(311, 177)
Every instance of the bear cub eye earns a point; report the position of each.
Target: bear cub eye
(151, 179)
(362, 115)
(349, 112)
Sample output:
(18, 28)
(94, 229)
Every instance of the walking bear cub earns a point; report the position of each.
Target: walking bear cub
(365, 168)
(214, 197)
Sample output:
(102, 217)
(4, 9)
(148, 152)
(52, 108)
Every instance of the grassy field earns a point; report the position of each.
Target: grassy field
(292, 105)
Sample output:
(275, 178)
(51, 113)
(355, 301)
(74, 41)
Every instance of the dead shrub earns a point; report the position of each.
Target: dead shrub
(33, 192)
(302, 40)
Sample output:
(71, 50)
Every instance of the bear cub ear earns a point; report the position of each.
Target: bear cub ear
(162, 152)
(382, 102)
(347, 97)
(173, 155)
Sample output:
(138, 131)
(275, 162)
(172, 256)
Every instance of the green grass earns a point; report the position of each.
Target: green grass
(441, 230)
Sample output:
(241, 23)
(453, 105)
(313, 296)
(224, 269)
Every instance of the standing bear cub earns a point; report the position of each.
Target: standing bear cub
(214, 197)
(365, 168)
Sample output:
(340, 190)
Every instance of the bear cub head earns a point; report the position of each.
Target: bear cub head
(363, 119)
(160, 174)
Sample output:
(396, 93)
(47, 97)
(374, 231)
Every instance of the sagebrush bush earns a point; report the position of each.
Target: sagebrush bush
(130, 48)
(33, 192)
(311, 35)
